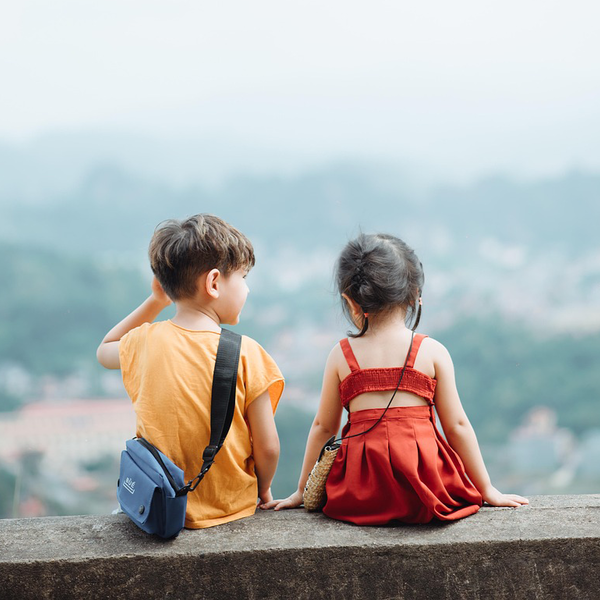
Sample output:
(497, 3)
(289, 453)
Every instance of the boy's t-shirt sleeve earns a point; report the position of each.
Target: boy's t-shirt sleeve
(129, 348)
(260, 373)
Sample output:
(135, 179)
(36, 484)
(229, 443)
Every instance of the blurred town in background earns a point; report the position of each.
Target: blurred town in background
(470, 130)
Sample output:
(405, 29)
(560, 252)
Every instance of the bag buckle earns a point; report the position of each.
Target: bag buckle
(208, 457)
(192, 484)
(182, 491)
(209, 453)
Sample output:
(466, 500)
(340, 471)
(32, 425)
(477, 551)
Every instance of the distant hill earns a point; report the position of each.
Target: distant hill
(110, 194)
(57, 164)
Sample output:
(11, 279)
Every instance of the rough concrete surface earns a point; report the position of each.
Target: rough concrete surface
(549, 550)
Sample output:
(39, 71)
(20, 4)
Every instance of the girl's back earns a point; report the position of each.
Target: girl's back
(387, 348)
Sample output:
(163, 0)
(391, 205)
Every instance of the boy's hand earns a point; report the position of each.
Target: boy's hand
(292, 501)
(159, 294)
(264, 498)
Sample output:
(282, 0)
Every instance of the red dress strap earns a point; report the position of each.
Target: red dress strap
(350, 358)
(419, 337)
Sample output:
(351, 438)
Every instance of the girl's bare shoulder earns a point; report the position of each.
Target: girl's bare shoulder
(336, 354)
(434, 347)
(336, 360)
(435, 353)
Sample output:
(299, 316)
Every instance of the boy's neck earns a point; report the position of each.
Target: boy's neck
(196, 318)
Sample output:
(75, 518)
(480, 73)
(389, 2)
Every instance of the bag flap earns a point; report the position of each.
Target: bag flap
(136, 489)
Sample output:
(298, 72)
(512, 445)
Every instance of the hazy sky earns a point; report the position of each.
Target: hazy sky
(464, 87)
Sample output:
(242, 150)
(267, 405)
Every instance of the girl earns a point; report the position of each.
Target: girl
(393, 465)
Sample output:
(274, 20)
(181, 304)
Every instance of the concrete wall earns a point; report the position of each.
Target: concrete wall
(549, 550)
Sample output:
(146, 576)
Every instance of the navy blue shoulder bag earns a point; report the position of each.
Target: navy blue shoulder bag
(151, 489)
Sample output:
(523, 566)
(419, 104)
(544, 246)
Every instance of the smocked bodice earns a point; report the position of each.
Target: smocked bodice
(361, 381)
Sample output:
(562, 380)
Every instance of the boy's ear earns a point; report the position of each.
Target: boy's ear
(211, 283)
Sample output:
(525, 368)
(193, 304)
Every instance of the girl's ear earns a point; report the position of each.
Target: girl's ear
(211, 283)
(416, 298)
(355, 310)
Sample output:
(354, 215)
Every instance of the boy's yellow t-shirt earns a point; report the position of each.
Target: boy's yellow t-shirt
(168, 371)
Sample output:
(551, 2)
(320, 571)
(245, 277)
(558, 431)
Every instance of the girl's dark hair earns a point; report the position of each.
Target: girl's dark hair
(380, 272)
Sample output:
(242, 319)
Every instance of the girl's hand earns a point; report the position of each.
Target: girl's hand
(264, 497)
(292, 501)
(495, 498)
(159, 294)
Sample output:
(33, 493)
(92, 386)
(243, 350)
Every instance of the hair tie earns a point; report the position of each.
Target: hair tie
(366, 315)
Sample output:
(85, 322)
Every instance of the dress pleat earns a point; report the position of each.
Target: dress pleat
(401, 471)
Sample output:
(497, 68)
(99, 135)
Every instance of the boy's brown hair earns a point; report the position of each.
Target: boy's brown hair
(182, 250)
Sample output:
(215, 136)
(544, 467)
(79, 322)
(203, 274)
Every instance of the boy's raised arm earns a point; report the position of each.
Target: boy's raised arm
(108, 351)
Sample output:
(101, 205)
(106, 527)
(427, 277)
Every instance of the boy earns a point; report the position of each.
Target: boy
(200, 264)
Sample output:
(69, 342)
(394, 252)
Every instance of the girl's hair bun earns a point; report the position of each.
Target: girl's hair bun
(380, 272)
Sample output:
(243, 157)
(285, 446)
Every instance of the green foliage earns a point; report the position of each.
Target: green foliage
(293, 425)
(103, 463)
(503, 371)
(116, 210)
(9, 402)
(56, 309)
(7, 492)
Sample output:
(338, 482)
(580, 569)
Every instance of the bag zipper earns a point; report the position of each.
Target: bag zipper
(159, 460)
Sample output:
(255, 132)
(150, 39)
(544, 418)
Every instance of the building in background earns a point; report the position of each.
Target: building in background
(64, 456)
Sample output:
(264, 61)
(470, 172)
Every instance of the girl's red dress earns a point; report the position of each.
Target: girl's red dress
(403, 470)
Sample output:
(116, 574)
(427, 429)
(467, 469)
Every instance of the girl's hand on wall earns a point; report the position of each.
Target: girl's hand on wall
(495, 498)
(292, 501)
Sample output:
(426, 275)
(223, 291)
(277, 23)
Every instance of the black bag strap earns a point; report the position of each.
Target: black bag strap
(222, 404)
(333, 443)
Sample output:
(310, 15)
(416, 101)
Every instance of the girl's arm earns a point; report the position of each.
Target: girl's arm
(460, 433)
(108, 351)
(326, 424)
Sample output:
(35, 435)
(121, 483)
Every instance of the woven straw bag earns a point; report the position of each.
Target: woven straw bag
(314, 491)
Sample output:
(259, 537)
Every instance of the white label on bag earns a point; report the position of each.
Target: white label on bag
(129, 485)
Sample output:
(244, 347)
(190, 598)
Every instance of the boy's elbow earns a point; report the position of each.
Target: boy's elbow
(272, 450)
(100, 355)
(273, 454)
(107, 357)
(267, 450)
(266, 456)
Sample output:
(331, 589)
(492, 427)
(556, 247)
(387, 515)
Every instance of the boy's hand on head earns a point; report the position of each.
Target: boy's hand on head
(159, 294)
(293, 501)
